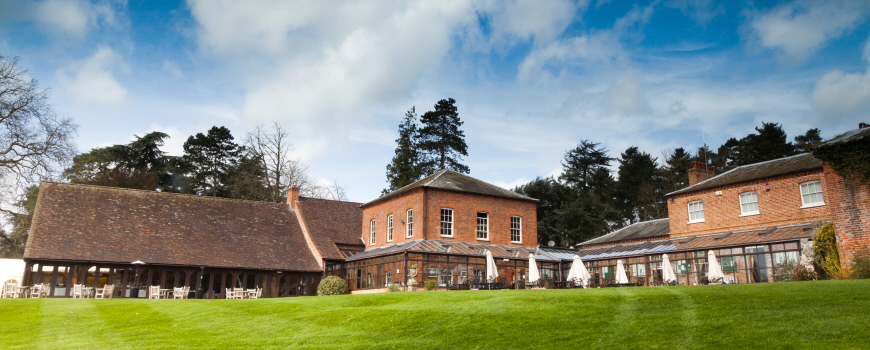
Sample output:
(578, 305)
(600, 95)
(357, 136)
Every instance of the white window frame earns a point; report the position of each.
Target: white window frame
(518, 229)
(449, 223)
(390, 228)
(409, 227)
(740, 200)
(817, 183)
(689, 208)
(372, 233)
(485, 226)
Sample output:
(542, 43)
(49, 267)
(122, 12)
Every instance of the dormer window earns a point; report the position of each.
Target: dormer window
(748, 203)
(696, 212)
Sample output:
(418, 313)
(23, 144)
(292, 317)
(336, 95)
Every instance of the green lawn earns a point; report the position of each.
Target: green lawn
(817, 315)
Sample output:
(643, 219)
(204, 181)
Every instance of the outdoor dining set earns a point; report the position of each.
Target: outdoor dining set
(40, 290)
(241, 293)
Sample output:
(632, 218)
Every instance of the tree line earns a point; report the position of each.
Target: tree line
(589, 199)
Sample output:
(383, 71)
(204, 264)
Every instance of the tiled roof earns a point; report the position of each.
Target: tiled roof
(711, 241)
(330, 223)
(776, 167)
(640, 230)
(106, 224)
(848, 136)
(450, 180)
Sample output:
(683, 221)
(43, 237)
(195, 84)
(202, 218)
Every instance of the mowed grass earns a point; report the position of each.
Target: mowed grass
(817, 315)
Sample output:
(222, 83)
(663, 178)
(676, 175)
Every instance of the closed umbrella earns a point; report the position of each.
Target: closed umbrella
(578, 271)
(667, 271)
(714, 270)
(491, 269)
(534, 275)
(620, 273)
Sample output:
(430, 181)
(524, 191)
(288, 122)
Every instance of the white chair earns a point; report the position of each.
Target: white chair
(78, 291)
(104, 292)
(186, 291)
(10, 290)
(238, 293)
(153, 292)
(37, 290)
(229, 294)
(178, 293)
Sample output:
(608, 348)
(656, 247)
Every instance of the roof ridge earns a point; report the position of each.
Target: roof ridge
(685, 189)
(111, 188)
(323, 199)
(437, 175)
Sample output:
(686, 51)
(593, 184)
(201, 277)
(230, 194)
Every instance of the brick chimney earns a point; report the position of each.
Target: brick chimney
(699, 172)
(292, 196)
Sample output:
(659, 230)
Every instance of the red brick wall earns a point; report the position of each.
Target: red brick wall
(850, 208)
(398, 206)
(781, 205)
(465, 208)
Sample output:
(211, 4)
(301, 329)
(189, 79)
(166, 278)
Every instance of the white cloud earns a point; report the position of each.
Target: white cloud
(625, 95)
(526, 19)
(839, 95)
(93, 81)
(64, 18)
(800, 28)
(702, 11)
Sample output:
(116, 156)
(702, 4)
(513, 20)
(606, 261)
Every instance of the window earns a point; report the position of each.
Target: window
(372, 233)
(446, 222)
(781, 257)
(409, 228)
(638, 270)
(748, 203)
(811, 194)
(390, 228)
(483, 226)
(696, 211)
(388, 278)
(516, 229)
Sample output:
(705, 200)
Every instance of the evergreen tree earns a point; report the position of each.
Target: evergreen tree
(407, 164)
(806, 141)
(639, 190)
(441, 140)
(582, 162)
(209, 158)
(140, 165)
(676, 169)
(12, 243)
(770, 142)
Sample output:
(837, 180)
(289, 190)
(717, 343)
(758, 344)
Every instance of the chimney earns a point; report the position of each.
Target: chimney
(863, 125)
(292, 196)
(699, 172)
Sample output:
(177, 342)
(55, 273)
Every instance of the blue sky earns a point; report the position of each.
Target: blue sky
(531, 78)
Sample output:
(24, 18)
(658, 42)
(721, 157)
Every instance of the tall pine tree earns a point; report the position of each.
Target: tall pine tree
(209, 158)
(441, 139)
(407, 164)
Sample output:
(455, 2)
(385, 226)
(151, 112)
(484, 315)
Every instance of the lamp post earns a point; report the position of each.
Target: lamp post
(134, 292)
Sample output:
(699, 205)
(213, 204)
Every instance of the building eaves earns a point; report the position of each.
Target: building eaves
(761, 170)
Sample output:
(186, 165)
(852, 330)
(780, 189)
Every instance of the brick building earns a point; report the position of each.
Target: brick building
(751, 217)
(441, 227)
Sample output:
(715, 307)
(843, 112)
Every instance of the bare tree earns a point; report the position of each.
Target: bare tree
(34, 141)
(333, 191)
(273, 148)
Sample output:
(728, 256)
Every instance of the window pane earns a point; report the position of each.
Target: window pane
(482, 226)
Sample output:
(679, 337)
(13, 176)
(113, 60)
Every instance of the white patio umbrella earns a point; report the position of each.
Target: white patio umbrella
(578, 271)
(534, 274)
(620, 273)
(667, 271)
(714, 270)
(491, 269)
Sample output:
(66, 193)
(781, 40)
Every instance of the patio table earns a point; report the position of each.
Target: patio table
(165, 293)
(22, 291)
(86, 291)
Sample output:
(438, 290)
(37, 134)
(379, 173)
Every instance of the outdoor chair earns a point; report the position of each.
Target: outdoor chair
(153, 292)
(78, 291)
(238, 293)
(229, 294)
(37, 291)
(178, 293)
(186, 291)
(104, 292)
(10, 290)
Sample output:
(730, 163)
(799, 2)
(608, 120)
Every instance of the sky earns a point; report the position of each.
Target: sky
(531, 79)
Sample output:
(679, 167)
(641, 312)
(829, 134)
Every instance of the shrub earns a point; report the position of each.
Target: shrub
(394, 288)
(803, 273)
(826, 251)
(431, 285)
(332, 285)
(861, 266)
(784, 271)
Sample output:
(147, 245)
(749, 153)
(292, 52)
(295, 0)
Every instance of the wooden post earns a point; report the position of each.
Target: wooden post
(244, 280)
(267, 285)
(125, 281)
(111, 278)
(223, 288)
(148, 283)
(38, 276)
(405, 271)
(69, 276)
(560, 269)
(177, 275)
(24, 277)
(286, 285)
(211, 285)
(52, 282)
(83, 275)
(163, 279)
